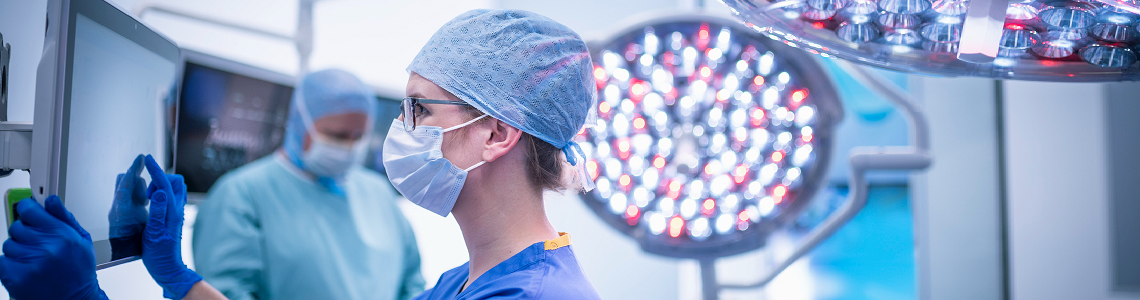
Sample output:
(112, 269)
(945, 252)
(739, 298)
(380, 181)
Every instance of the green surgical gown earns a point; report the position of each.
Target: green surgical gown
(266, 231)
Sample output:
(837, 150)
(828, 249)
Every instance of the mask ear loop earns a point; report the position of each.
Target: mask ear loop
(465, 123)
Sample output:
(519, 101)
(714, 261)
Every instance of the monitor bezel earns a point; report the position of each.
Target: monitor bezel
(50, 130)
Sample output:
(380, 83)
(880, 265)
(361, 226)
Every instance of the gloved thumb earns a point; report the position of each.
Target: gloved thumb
(55, 207)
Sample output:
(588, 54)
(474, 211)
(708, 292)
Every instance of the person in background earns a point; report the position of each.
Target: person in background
(309, 222)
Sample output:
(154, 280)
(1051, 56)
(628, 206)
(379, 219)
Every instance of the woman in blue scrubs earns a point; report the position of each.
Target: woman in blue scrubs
(495, 99)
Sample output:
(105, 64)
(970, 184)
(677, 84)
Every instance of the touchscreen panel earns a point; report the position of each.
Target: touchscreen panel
(120, 105)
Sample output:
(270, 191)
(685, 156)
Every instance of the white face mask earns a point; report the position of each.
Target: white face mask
(327, 159)
(417, 168)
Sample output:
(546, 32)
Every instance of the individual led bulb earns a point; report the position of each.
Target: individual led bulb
(1022, 11)
(937, 47)
(1072, 16)
(906, 7)
(818, 14)
(1108, 56)
(861, 7)
(1016, 41)
(831, 5)
(1055, 48)
(857, 32)
(1113, 32)
(898, 21)
(950, 7)
(940, 32)
(901, 36)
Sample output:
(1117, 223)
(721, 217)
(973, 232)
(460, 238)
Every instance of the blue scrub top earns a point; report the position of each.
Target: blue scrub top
(545, 270)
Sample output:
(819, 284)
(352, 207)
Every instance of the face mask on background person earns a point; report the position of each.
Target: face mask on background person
(327, 157)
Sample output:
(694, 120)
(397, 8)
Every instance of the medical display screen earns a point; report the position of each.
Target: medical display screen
(225, 121)
(120, 100)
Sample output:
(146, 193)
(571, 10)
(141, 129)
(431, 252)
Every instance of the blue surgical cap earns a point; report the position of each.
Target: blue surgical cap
(519, 67)
(325, 93)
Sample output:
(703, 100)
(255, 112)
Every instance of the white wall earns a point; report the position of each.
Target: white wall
(956, 205)
(1059, 191)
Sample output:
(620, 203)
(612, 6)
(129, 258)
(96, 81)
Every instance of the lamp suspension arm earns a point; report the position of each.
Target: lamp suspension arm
(863, 159)
(302, 39)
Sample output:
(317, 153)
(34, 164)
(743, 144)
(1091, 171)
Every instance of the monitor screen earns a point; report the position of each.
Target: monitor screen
(227, 120)
(232, 114)
(119, 97)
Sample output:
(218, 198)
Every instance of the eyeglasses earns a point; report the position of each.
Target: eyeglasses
(408, 107)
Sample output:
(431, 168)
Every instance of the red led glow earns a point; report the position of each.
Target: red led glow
(632, 211)
(639, 123)
(1014, 26)
(599, 74)
(592, 168)
(757, 117)
(659, 162)
(799, 95)
(758, 80)
(623, 148)
(779, 192)
(817, 25)
(706, 72)
(604, 107)
(624, 180)
(806, 137)
(637, 89)
(675, 226)
(743, 216)
(740, 174)
(1048, 63)
(704, 32)
(709, 169)
(777, 156)
(674, 189)
(723, 95)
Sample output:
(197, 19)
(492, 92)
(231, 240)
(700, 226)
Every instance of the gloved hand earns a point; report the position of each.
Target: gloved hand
(128, 213)
(48, 255)
(162, 247)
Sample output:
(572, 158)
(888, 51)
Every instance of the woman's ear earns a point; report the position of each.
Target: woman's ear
(503, 138)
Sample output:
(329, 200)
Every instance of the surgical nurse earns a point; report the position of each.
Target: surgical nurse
(494, 101)
(309, 222)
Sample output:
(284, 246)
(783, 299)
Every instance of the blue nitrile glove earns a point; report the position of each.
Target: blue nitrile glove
(162, 247)
(48, 256)
(128, 213)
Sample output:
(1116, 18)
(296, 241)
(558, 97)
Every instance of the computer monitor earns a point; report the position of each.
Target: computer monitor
(232, 114)
(106, 91)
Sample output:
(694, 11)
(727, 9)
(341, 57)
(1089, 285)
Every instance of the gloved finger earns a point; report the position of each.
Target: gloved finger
(151, 188)
(119, 180)
(156, 222)
(21, 233)
(55, 207)
(34, 215)
(157, 176)
(175, 206)
(178, 185)
(16, 250)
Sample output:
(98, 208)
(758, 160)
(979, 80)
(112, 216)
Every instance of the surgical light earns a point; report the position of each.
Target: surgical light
(1048, 40)
(711, 136)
